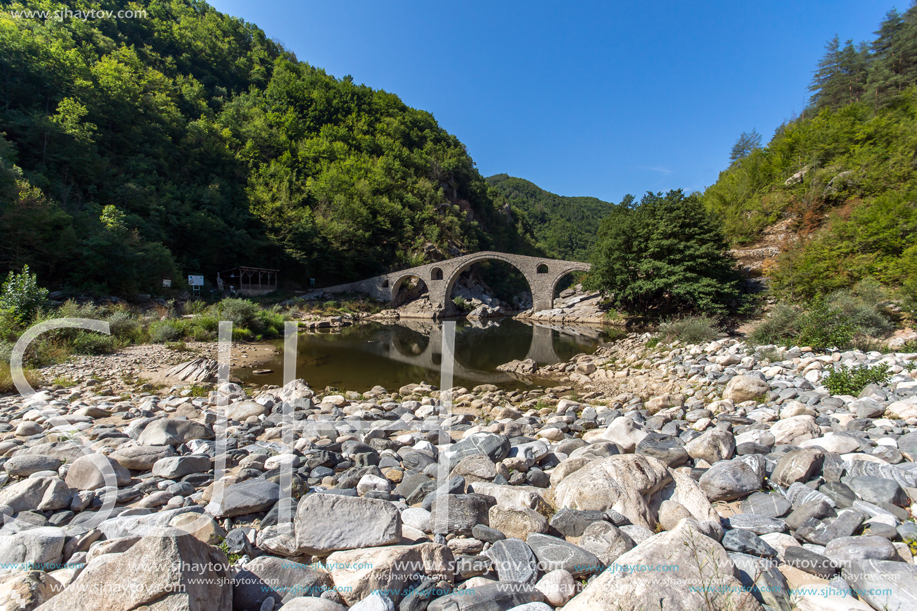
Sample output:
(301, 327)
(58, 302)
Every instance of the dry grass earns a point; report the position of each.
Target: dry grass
(6, 378)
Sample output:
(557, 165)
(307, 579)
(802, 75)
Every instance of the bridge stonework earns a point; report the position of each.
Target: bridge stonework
(541, 274)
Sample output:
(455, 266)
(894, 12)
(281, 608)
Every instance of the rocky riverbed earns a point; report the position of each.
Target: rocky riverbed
(676, 477)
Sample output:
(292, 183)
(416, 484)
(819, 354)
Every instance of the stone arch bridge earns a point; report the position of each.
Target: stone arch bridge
(541, 274)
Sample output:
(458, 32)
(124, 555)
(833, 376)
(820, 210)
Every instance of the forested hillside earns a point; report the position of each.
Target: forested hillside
(187, 141)
(564, 227)
(844, 173)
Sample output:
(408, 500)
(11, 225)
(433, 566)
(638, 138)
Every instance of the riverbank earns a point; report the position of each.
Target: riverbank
(641, 454)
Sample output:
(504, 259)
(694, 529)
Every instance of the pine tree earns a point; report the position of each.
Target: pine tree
(894, 56)
(826, 74)
(747, 142)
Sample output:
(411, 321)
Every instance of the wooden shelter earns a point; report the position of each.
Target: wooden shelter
(248, 280)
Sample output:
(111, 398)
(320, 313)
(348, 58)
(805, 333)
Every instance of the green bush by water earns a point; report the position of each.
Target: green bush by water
(843, 380)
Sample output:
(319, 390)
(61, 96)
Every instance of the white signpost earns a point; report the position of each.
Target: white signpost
(195, 282)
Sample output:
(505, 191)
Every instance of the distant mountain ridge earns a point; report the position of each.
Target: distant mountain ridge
(564, 227)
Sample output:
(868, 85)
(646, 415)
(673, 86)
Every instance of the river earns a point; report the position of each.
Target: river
(409, 351)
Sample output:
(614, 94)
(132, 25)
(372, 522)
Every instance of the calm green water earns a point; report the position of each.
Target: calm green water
(392, 355)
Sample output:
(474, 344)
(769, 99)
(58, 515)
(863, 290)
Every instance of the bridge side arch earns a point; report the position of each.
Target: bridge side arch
(395, 286)
(567, 269)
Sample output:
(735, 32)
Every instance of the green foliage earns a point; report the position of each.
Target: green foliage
(846, 318)
(240, 312)
(199, 391)
(862, 309)
(461, 304)
(665, 254)
(782, 323)
(564, 227)
(166, 331)
(189, 140)
(689, 330)
(842, 173)
(125, 326)
(22, 296)
(843, 380)
(88, 342)
(823, 326)
(909, 297)
(747, 142)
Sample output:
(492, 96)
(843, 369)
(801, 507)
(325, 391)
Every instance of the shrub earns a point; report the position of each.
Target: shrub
(124, 326)
(843, 380)
(862, 313)
(782, 323)
(240, 312)
(89, 342)
(822, 326)
(689, 330)
(269, 321)
(909, 297)
(166, 331)
(22, 295)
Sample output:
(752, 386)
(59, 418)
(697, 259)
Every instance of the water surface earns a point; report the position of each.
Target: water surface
(409, 351)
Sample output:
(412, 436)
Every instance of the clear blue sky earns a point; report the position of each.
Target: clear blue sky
(581, 98)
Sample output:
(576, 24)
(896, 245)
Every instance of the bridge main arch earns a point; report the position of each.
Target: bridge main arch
(446, 286)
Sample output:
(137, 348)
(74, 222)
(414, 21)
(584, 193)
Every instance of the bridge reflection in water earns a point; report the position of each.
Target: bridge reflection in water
(408, 351)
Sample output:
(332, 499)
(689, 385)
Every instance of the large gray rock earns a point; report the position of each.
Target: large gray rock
(476, 468)
(624, 483)
(797, 466)
(554, 553)
(844, 550)
(329, 522)
(42, 493)
(767, 583)
(173, 432)
(669, 450)
(713, 446)
(884, 584)
(495, 447)
(94, 471)
(878, 490)
(745, 388)
(495, 597)
(605, 541)
(177, 467)
(311, 603)
(700, 561)
(729, 480)
(279, 578)
(26, 590)
(514, 561)
(146, 523)
(244, 410)
(795, 430)
(393, 569)
(250, 496)
(25, 465)
(163, 573)
(140, 458)
(460, 513)
(36, 546)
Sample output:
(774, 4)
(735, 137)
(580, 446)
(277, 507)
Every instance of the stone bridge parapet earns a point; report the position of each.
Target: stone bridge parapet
(541, 274)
